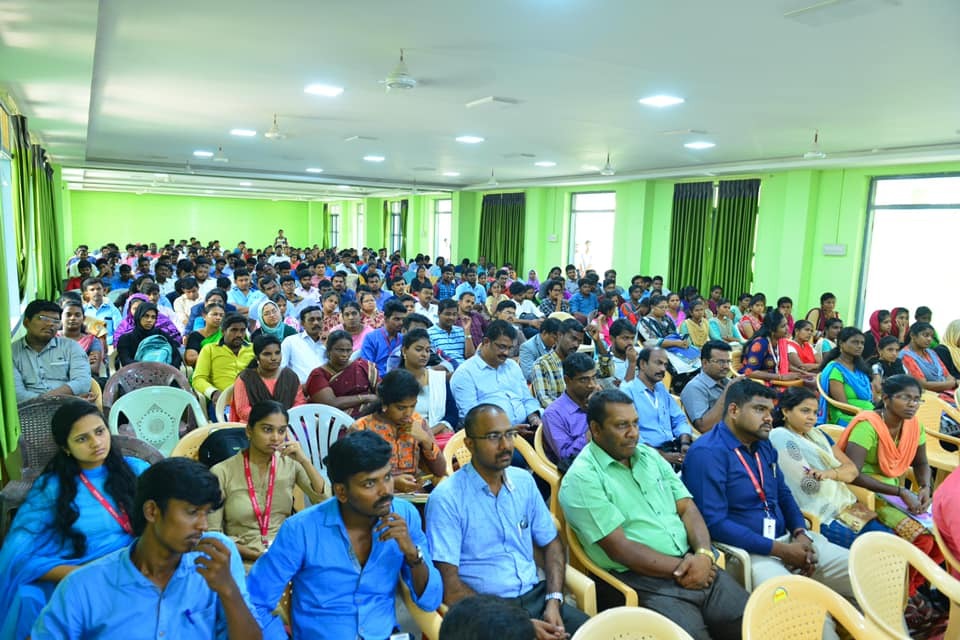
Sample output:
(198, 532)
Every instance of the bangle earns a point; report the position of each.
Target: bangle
(706, 552)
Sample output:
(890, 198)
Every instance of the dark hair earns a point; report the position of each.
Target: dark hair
(499, 328)
(357, 452)
(239, 273)
(888, 340)
(216, 291)
(39, 306)
(448, 303)
(550, 325)
(336, 337)
(790, 399)
(784, 300)
(606, 305)
(754, 299)
(656, 300)
(188, 283)
(827, 296)
(486, 617)
(174, 479)
(845, 334)
(231, 319)
(414, 335)
(800, 324)
(392, 307)
(771, 322)
(416, 318)
(260, 343)
(555, 282)
(621, 326)
(831, 322)
(744, 390)
(571, 325)
(646, 352)
(263, 409)
(922, 312)
(396, 386)
(120, 484)
(577, 363)
(706, 351)
(506, 304)
(470, 420)
(896, 384)
(597, 407)
(350, 305)
(517, 288)
(919, 327)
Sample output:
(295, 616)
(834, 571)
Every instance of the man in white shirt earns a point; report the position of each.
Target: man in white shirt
(182, 306)
(305, 351)
(424, 305)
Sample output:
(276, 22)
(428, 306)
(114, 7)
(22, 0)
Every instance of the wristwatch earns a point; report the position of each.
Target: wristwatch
(556, 595)
(419, 559)
(706, 552)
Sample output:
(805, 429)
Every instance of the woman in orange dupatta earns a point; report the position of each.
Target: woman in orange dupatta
(883, 444)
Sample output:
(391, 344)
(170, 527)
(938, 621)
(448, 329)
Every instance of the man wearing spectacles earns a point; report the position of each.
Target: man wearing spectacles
(44, 364)
(483, 522)
(703, 396)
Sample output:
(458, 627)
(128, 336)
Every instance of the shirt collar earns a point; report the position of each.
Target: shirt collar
(130, 575)
(604, 459)
(730, 441)
(476, 481)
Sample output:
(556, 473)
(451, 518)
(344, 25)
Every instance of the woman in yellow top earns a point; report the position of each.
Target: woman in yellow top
(697, 326)
(397, 422)
(257, 483)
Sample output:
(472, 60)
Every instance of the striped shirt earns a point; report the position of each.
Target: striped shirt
(452, 344)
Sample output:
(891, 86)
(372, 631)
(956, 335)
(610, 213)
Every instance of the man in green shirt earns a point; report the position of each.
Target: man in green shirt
(635, 518)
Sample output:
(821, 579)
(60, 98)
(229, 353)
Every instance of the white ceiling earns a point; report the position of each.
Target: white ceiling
(138, 85)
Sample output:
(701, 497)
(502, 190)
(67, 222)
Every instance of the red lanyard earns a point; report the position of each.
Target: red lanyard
(122, 518)
(263, 517)
(757, 486)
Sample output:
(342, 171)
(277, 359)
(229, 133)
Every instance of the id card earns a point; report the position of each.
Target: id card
(770, 528)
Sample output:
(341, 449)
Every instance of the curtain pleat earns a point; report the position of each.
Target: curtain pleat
(46, 234)
(733, 234)
(22, 201)
(404, 217)
(9, 421)
(692, 206)
(502, 228)
(386, 226)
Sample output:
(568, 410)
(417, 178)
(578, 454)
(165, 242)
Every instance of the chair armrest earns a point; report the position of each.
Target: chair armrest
(12, 496)
(813, 520)
(942, 437)
(867, 497)
(741, 557)
(583, 589)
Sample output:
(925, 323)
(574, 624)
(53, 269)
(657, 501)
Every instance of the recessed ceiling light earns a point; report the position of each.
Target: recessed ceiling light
(545, 163)
(245, 184)
(590, 167)
(661, 101)
(314, 170)
(469, 139)
(374, 158)
(344, 186)
(325, 90)
(699, 145)
(243, 133)
(451, 174)
(200, 153)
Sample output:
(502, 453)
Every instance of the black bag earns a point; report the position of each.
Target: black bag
(223, 444)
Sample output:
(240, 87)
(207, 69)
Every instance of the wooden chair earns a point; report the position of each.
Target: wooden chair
(222, 402)
(795, 608)
(847, 409)
(929, 413)
(878, 574)
(630, 623)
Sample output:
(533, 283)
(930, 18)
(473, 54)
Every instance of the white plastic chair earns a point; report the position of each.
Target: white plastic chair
(154, 414)
(316, 427)
(222, 402)
(631, 623)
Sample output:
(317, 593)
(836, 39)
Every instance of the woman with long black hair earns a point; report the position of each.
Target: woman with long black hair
(264, 379)
(78, 510)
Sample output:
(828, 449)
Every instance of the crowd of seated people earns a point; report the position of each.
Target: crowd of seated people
(629, 384)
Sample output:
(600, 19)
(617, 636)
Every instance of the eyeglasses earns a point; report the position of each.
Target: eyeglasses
(907, 399)
(49, 319)
(721, 363)
(497, 437)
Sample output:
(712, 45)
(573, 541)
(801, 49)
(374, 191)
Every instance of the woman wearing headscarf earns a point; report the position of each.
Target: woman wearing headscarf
(881, 323)
(146, 326)
(949, 348)
(270, 319)
(164, 324)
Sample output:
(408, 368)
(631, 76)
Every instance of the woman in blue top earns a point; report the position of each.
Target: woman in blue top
(76, 512)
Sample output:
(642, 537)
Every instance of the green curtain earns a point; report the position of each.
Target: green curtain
(9, 422)
(733, 235)
(22, 202)
(386, 227)
(404, 217)
(692, 206)
(502, 228)
(46, 231)
(324, 232)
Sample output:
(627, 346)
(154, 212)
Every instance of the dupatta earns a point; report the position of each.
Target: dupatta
(894, 459)
(856, 380)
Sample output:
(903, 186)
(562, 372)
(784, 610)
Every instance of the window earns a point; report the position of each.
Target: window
(359, 231)
(442, 230)
(592, 217)
(335, 210)
(396, 229)
(912, 215)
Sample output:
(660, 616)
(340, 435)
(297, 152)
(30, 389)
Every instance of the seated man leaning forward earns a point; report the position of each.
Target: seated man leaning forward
(175, 581)
(635, 519)
(483, 523)
(345, 555)
(733, 475)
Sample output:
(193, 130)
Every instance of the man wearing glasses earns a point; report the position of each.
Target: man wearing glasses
(44, 364)
(703, 396)
(483, 522)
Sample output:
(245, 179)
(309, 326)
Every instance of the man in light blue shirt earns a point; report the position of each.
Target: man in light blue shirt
(45, 364)
(380, 343)
(243, 296)
(345, 555)
(483, 523)
(490, 376)
(470, 284)
(663, 425)
(584, 301)
(175, 581)
(95, 306)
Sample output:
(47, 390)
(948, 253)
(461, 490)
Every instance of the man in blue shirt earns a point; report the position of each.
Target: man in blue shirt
(379, 344)
(446, 287)
(95, 306)
(345, 555)
(449, 338)
(733, 475)
(175, 580)
(375, 283)
(490, 376)
(663, 425)
(483, 523)
(584, 301)
(470, 284)
(243, 296)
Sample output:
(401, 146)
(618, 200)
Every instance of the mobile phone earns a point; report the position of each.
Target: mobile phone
(401, 636)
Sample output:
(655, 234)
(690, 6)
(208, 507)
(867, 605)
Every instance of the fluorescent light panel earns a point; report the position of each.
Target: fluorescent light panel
(699, 145)
(314, 170)
(374, 158)
(325, 90)
(243, 133)
(451, 174)
(201, 153)
(469, 139)
(661, 101)
(545, 163)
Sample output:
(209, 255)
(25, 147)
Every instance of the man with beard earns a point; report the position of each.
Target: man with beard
(219, 364)
(344, 556)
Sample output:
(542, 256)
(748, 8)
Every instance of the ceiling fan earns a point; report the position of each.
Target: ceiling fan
(400, 78)
(274, 133)
(815, 152)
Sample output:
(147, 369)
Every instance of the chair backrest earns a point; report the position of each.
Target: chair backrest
(539, 448)
(134, 448)
(848, 409)
(316, 427)
(952, 562)
(154, 414)
(544, 470)
(97, 394)
(456, 450)
(36, 437)
(878, 575)
(582, 562)
(794, 608)
(631, 623)
(428, 621)
(225, 398)
(142, 374)
(189, 445)
(929, 411)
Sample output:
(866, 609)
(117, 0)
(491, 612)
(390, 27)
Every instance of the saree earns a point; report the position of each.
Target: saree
(857, 386)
